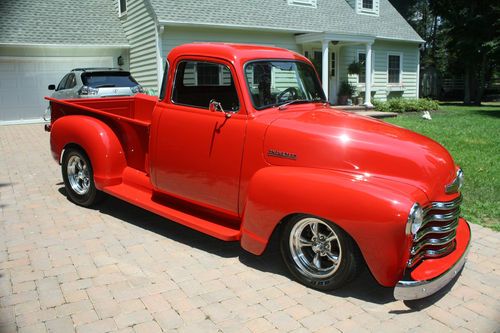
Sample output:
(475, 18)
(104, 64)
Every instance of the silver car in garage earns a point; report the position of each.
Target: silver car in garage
(94, 83)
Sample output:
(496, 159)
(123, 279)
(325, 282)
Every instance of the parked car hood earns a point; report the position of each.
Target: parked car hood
(322, 137)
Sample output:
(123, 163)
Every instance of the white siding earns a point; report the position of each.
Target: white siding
(174, 36)
(139, 27)
(409, 78)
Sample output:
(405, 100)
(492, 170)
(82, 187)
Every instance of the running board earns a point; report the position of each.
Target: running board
(142, 197)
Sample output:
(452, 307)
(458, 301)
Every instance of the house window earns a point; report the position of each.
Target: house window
(197, 83)
(122, 7)
(394, 68)
(362, 67)
(305, 3)
(368, 4)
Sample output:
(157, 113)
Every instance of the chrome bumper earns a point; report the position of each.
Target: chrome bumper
(410, 290)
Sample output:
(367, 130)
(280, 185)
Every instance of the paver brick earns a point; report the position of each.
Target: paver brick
(132, 318)
(120, 268)
(60, 325)
(100, 326)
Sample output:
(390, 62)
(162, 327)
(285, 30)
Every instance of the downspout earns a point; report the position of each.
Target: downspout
(159, 63)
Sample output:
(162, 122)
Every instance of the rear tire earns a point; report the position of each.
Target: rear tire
(318, 253)
(78, 177)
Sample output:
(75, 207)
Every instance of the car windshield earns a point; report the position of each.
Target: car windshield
(274, 83)
(108, 79)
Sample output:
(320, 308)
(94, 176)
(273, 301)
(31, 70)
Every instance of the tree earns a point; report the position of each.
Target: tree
(471, 29)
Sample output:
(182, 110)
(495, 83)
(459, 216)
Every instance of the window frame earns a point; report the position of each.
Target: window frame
(372, 74)
(400, 55)
(357, 59)
(122, 12)
(209, 60)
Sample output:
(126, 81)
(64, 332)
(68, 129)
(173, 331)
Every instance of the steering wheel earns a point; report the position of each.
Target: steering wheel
(293, 94)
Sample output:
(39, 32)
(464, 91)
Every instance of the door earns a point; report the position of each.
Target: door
(24, 81)
(198, 152)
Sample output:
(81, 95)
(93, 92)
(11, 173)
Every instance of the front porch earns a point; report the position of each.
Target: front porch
(327, 47)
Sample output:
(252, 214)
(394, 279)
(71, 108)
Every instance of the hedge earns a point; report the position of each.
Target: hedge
(401, 105)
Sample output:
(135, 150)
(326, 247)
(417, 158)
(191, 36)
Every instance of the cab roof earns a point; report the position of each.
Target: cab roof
(233, 52)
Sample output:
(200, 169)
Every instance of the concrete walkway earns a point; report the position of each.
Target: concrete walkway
(114, 268)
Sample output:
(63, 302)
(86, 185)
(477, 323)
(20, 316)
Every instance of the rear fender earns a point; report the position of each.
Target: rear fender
(97, 140)
(372, 211)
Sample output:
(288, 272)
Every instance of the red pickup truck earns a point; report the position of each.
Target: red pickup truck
(242, 143)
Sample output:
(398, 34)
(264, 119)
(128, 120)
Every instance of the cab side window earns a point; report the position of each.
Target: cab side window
(199, 82)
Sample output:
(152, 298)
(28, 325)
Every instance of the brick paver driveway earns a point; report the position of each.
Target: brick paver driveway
(120, 268)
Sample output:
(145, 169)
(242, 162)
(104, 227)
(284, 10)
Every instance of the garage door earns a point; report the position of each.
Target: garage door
(24, 81)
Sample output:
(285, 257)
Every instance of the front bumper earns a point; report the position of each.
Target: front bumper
(423, 281)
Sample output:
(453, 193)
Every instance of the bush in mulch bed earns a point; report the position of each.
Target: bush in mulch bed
(401, 105)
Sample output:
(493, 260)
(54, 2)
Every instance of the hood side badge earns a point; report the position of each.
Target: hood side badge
(281, 154)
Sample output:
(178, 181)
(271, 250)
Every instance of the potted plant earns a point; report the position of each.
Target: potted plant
(346, 90)
(355, 67)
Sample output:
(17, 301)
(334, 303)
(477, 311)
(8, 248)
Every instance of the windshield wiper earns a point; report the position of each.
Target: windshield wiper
(297, 101)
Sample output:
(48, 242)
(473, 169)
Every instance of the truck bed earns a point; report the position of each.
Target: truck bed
(129, 117)
(137, 109)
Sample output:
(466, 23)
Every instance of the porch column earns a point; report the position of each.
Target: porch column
(368, 75)
(324, 70)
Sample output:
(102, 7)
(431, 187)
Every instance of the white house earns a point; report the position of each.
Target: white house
(41, 40)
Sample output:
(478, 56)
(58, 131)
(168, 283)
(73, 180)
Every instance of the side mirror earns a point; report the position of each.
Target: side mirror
(214, 106)
(52, 87)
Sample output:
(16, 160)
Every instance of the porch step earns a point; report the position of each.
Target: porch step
(365, 111)
(377, 114)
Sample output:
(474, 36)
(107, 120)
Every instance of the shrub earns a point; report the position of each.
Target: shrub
(401, 105)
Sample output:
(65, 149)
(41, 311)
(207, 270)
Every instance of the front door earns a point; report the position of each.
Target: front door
(198, 152)
(316, 56)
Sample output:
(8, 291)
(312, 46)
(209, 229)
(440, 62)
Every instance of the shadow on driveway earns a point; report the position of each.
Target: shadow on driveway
(364, 287)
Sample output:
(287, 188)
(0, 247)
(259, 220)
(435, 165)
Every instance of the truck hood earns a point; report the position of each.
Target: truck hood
(325, 138)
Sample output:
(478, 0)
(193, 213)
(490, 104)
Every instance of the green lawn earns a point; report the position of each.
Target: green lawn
(472, 135)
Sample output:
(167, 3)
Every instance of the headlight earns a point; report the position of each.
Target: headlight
(415, 219)
(457, 183)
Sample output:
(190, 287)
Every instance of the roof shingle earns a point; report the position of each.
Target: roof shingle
(335, 16)
(70, 22)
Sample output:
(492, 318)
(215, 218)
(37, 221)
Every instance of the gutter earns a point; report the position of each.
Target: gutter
(78, 46)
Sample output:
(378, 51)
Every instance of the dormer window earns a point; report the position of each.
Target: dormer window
(367, 7)
(304, 3)
(122, 7)
(368, 4)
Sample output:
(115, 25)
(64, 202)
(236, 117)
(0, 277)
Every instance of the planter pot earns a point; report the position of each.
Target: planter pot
(343, 100)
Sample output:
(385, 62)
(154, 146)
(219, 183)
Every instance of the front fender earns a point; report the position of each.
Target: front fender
(98, 141)
(371, 210)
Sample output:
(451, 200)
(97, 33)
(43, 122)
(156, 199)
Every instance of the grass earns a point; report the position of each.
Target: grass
(472, 135)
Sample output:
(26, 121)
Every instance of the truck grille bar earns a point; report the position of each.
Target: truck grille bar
(436, 237)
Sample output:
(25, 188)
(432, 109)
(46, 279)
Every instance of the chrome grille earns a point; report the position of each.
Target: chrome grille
(436, 236)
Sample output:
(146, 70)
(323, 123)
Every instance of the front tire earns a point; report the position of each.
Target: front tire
(78, 177)
(318, 253)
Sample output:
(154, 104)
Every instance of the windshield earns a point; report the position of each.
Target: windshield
(108, 79)
(274, 83)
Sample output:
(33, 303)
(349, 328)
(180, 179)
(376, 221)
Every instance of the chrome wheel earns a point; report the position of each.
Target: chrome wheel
(78, 174)
(315, 248)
